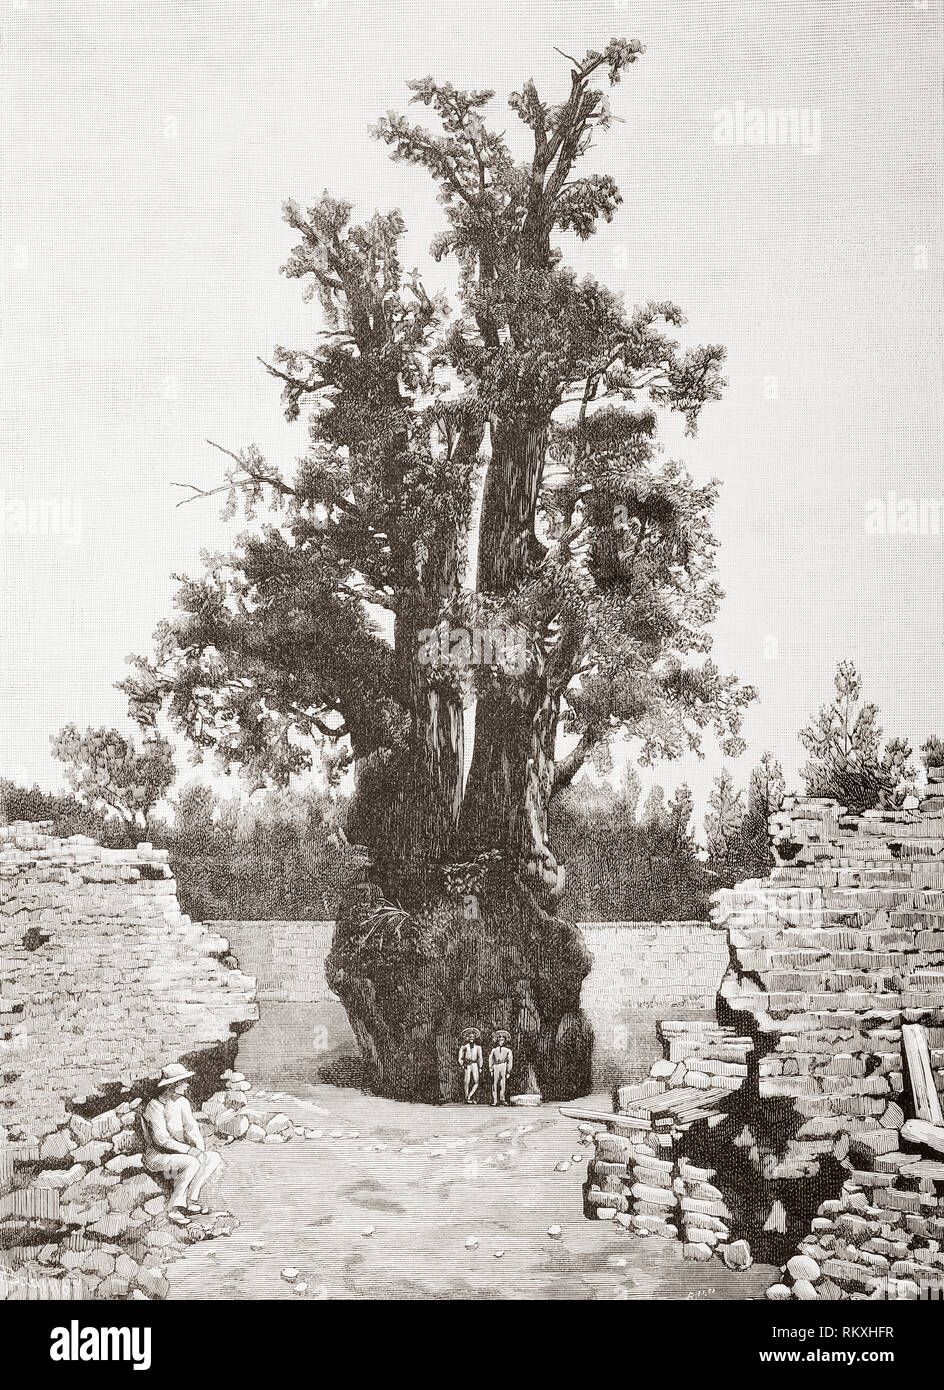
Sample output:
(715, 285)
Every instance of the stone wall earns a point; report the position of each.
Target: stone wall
(303, 1031)
(102, 978)
(807, 1142)
(103, 981)
(641, 971)
(651, 965)
(829, 956)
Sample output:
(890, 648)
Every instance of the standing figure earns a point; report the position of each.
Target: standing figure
(470, 1060)
(500, 1062)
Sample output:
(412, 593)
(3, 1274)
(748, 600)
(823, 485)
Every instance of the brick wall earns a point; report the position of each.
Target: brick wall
(102, 979)
(287, 959)
(641, 972)
(652, 965)
(303, 1031)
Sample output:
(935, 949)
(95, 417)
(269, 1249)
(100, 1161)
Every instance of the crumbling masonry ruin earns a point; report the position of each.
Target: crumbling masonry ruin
(777, 1132)
(103, 981)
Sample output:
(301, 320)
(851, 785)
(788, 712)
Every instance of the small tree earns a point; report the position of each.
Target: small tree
(110, 774)
(630, 789)
(932, 752)
(680, 811)
(844, 741)
(764, 796)
(897, 774)
(723, 823)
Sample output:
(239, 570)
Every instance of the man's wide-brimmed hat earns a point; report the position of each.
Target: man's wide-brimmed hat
(172, 1074)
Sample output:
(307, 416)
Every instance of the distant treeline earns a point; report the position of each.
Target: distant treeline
(278, 857)
(284, 855)
(625, 864)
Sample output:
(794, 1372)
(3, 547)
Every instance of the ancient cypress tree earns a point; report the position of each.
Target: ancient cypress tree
(363, 618)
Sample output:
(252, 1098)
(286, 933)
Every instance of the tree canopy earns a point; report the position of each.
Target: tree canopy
(111, 774)
(590, 541)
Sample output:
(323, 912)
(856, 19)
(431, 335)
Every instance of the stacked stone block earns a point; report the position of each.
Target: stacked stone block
(642, 1175)
(705, 1056)
(629, 1178)
(645, 1181)
(704, 1214)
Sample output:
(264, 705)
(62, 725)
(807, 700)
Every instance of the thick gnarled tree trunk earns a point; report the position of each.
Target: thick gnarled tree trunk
(479, 944)
(492, 959)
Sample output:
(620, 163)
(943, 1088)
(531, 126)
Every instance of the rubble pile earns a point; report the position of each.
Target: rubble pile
(232, 1116)
(642, 1174)
(880, 1239)
(82, 1219)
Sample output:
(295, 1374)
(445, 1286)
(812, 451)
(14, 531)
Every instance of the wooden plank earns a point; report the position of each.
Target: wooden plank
(685, 1098)
(684, 1105)
(927, 1135)
(704, 1115)
(602, 1117)
(927, 1104)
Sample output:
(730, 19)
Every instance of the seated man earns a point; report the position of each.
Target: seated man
(174, 1147)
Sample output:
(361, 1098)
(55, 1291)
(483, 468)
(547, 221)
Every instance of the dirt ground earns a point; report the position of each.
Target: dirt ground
(403, 1201)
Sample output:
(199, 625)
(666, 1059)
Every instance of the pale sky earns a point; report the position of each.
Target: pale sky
(146, 152)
